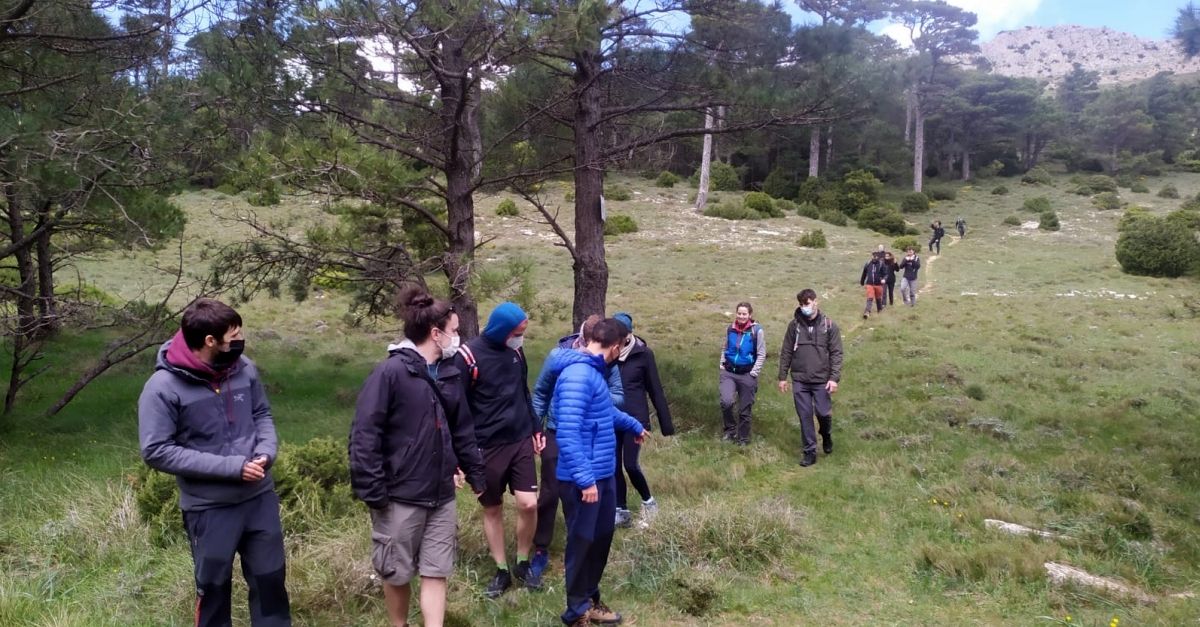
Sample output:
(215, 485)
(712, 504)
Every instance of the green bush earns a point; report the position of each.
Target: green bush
(1037, 176)
(722, 177)
(1155, 247)
(784, 206)
(507, 208)
(1037, 204)
(617, 224)
(1131, 215)
(860, 189)
(1082, 190)
(1191, 204)
(942, 193)
(999, 190)
(1100, 183)
(836, 218)
(1186, 219)
(808, 210)
(569, 195)
(810, 190)
(762, 203)
(730, 212)
(1012, 221)
(1125, 179)
(915, 202)
(902, 244)
(617, 192)
(1048, 221)
(1139, 188)
(779, 184)
(813, 239)
(267, 196)
(157, 499)
(229, 189)
(1168, 191)
(881, 220)
(1108, 201)
(666, 179)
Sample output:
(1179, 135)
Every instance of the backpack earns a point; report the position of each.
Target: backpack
(472, 367)
(796, 332)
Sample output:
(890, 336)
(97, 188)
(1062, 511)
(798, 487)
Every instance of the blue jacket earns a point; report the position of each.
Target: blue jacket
(587, 419)
(546, 380)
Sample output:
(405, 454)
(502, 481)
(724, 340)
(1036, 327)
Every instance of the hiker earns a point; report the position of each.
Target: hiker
(936, 238)
(508, 435)
(874, 278)
(639, 377)
(961, 225)
(203, 416)
(549, 493)
(812, 354)
(741, 362)
(908, 281)
(587, 427)
(412, 430)
(890, 267)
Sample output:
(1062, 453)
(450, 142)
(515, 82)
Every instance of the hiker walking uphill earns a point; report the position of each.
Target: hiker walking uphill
(639, 377)
(508, 435)
(891, 267)
(812, 356)
(203, 416)
(909, 266)
(742, 360)
(874, 278)
(549, 493)
(412, 430)
(961, 225)
(935, 240)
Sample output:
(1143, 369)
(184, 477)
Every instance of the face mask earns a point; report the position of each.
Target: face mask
(452, 349)
(807, 311)
(515, 343)
(225, 359)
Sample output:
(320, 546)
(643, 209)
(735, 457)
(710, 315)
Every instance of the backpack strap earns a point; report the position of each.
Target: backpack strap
(469, 358)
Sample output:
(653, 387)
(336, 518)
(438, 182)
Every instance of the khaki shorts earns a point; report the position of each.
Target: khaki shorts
(407, 540)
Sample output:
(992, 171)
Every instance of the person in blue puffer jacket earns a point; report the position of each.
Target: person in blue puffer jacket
(587, 443)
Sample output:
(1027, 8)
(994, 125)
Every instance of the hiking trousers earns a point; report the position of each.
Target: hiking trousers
(738, 392)
(908, 292)
(589, 537)
(810, 399)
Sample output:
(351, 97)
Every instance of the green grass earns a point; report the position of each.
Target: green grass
(1033, 383)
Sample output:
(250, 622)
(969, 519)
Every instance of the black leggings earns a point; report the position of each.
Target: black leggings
(937, 241)
(627, 457)
(891, 292)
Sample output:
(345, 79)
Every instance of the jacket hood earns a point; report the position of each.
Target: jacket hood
(639, 346)
(568, 341)
(558, 361)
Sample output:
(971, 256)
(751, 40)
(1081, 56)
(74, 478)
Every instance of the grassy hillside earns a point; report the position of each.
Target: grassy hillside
(1034, 383)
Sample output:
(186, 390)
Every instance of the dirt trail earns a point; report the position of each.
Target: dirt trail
(926, 287)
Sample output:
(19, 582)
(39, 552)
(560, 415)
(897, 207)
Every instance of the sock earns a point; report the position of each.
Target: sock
(648, 501)
(502, 566)
(522, 558)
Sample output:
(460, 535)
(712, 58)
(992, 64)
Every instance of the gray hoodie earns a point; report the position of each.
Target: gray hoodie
(203, 426)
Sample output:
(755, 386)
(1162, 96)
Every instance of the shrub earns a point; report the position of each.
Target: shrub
(760, 202)
(157, 501)
(731, 212)
(810, 190)
(617, 224)
(999, 190)
(268, 196)
(836, 218)
(1100, 183)
(1191, 204)
(507, 208)
(1153, 246)
(784, 205)
(860, 189)
(1186, 219)
(779, 184)
(617, 192)
(808, 210)
(1131, 215)
(1168, 191)
(229, 189)
(1012, 221)
(942, 193)
(1107, 201)
(1048, 221)
(1082, 190)
(569, 195)
(904, 243)
(1037, 204)
(881, 219)
(1037, 176)
(1139, 188)
(666, 179)
(914, 202)
(722, 177)
(1125, 179)
(813, 239)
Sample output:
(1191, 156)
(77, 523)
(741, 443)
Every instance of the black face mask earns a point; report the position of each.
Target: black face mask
(225, 359)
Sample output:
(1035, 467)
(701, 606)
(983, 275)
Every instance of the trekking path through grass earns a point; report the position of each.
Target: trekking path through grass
(924, 289)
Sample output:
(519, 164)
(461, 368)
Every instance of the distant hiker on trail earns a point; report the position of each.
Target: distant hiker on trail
(203, 416)
(936, 238)
(812, 354)
(890, 265)
(639, 376)
(908, 282)
(508, 434)
(549, 493)
(874, 278)
(742, 360)
(961, 225)
(412, 431)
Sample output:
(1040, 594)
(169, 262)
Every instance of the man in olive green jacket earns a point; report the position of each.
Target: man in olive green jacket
(812, 353)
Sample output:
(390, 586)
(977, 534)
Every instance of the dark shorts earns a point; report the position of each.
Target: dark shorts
(508, 467)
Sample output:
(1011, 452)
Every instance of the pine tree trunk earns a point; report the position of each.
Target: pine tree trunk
(46, 303)
(966, 165)
(460, 124)
(814, 152)
(590, 267)
(829, 147)
(705, 162)
(909, 100)
(918, 146)
(25, 297)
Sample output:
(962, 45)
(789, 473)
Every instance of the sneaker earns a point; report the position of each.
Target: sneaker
(524, 574)
(728, 437)
(624, 519)
(649, 510)
(501, 582)
(601, 615)
(539, 563)
(809, 459)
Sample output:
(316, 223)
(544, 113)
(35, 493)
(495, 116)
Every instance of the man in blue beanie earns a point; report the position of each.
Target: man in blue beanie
(508, 435)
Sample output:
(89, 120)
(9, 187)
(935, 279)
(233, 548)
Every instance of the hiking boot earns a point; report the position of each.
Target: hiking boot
(582, 621)
(601, 615)
(809, 459)
(728, 437)
(524, 574)
(827, 444)
(866, 315)
(624, 519)
(501, 582)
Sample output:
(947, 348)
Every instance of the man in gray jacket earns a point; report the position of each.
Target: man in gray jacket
(812, 353)
(203, 417)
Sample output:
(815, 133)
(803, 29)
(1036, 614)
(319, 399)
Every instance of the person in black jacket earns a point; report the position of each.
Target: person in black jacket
(891, 267)
(874, 277)
(936, 239)
(911, 264)
(508, 434)
(412, 430)
(961, 225)
(639, 378)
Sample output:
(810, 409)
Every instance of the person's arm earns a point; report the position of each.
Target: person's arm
(724, 347)
(657, 396)
(466, 449)
(266, 440)
(367, 477)
(785, 353)
(570, 401)
(761, 349)
(543, 388)
(835, 353)
(916, 264)
(863, 279)
(616, 388)
(624, 422)
(158, 412)
(533, 415)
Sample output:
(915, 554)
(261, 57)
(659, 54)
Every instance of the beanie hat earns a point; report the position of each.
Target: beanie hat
(504, 318)
(625, 319)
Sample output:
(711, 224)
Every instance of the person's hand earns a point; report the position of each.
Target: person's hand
(591, 495)
(783, 387)
(640, 438)
(262, 460)
(460, 478)
(831, 387)
(539, 443)
(251, 471)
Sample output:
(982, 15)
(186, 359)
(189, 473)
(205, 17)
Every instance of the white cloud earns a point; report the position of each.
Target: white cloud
(994, 16)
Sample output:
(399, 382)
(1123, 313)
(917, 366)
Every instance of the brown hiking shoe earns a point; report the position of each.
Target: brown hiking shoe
(582, 621)
(600, 614)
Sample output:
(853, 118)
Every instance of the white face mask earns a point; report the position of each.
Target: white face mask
(515, 343)
(452, 349)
